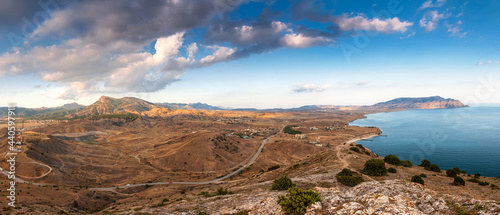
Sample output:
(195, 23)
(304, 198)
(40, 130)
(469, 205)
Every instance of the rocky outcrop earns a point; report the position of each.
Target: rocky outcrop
(386, 197)
(433, 102)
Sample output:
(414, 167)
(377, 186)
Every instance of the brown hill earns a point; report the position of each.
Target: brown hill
(109, 105)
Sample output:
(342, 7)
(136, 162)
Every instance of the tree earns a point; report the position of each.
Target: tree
(297, 201)
(417, 179)
(283, 183)
(392, 159)
(375, 167)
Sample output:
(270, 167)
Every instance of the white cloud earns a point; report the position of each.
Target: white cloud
(480, 63)
(455, 30)
(408, 36)
(430, 20)
(429, 4)
(220, 54)
(361, 83)
(301, 41)
(359, 22)
(308, 88)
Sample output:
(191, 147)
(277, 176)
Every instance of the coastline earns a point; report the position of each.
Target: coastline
(365, 137)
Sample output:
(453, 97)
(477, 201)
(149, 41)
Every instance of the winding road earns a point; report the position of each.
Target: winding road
(255, 156)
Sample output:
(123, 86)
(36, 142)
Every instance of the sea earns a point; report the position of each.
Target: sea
(468, 138)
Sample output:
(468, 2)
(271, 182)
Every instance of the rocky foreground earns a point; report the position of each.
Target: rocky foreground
(386, 197)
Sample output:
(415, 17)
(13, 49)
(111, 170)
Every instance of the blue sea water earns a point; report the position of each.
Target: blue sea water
(468, 138)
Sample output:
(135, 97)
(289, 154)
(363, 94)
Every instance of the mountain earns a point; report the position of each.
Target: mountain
(29, 112)
(108, 105)
(190, 106)
(432, 102)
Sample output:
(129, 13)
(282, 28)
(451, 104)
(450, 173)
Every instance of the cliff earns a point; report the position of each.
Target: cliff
(433, 102)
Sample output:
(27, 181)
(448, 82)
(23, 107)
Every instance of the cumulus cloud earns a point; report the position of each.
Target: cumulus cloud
(357, 23)
(430, 4)
(430, 20)
(308, 88)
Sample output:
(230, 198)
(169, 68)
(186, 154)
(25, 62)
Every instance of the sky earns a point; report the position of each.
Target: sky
(248, 54)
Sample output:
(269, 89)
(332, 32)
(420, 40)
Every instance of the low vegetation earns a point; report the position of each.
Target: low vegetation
(297, 200)
(289, 130)
(392, 170)
(392, 159)
(406, 163)
(375, 167)
(219, 192)
(346, 177)
(453, 172)
(355, 149)
(417, 179)
(429, 166)
(283, 183)
(458, 181)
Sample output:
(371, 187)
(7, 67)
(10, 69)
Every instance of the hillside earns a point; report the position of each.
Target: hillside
(433, 102)
(109, 105)
(43, 111)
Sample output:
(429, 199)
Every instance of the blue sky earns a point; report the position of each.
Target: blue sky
(248, 53)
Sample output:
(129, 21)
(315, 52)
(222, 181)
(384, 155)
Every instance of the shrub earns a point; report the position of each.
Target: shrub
(283, 183)
(423, 175)
(375, 167)
(273, 167)
(417, 179)
(425, 163)
(392, 170)
(297, 201)
(345, 172)
(221, 191)
(345, 177)
(204, 193)
(483, 183)
(452, 172)
(356, 149)
(457, 170)
(458, 181)
(493, 186)
(477, 175)
(473, 180)
(392, 159)
(406, 163)
(289, 130)
(433, 167)
(463, 172)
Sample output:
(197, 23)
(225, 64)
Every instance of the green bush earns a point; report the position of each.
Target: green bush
(483, 183)
(392, 159)
(356, 149)
(297, 201)
(221, 191)
(406, 163)
(457, 170)
(375, 167)
(283, 183)
(425, 163)
(273, 167)
(345, 177)
(452, 172)
(423, 175)
(433, 167)
(392, 170)
(458, 181)
(477, 175)
(473, 180)
(289, 130)
(417, 179)
(345, 172)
